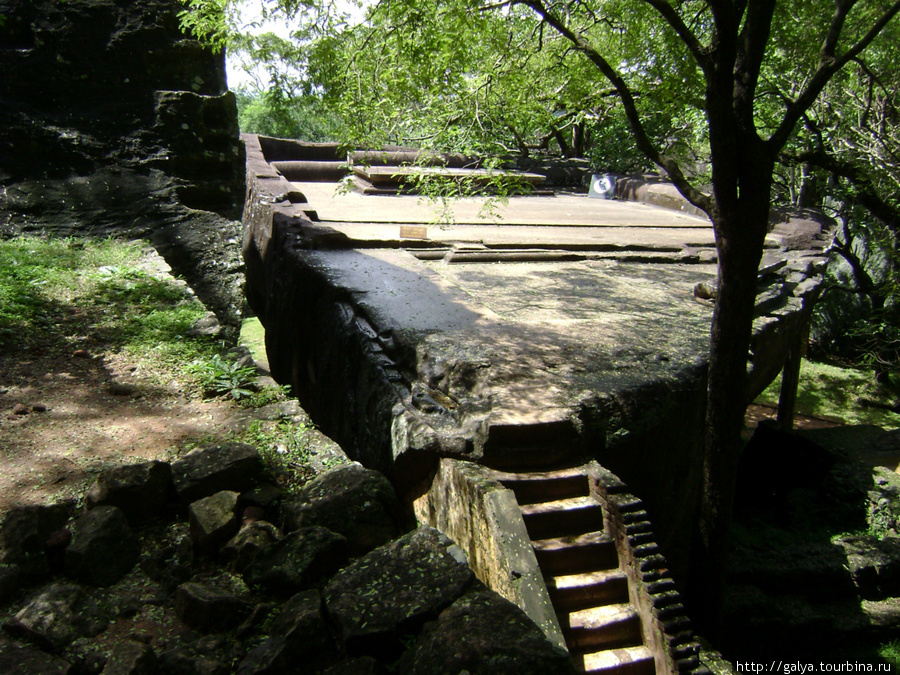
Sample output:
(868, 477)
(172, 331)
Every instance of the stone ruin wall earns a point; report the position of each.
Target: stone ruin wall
(114, 123)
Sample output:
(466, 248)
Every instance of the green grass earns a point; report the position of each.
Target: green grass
(836, 393)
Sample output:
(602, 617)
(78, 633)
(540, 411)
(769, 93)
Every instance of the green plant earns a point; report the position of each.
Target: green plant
(284, 449)
(890, 652)
(220, 377)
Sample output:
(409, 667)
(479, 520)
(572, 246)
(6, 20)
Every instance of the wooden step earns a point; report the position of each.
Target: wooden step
(570, 592)
(563, 517)
(545, 486)
(574, 554)
(602, 627)
(623, 661)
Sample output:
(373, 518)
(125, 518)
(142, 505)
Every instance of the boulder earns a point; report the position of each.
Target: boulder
(131, 658)
(874, 564)
(354, 501)
(298, 635)
(143, 491)
(103, 548)
(213, 520)
(57, 615)
(250, 539)
(394, 590)
(209, 655)
(26, 660)
(24, 534)
(213, 468)
(209, 609)
(297, 561)
(484, 633)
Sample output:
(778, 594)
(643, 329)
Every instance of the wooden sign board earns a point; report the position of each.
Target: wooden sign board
(413, 232)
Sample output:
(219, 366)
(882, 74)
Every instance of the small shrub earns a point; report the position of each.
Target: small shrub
(220, 377)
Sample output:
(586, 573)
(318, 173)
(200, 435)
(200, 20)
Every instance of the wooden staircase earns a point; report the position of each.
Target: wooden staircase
(581, 568)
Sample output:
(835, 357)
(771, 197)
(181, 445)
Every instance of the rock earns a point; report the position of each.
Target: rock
(103, 548)
(213, 468)
(131, 658)
(12, 579)
(26, 660)
(250, 539)
(263, 496)
(392, 591)
(170, 564)
(209, 609)
(56, 616)
(299, 635)
(213, 520)
(483, 633)
(354, 501)
(143, 491)
(361, 665)
(298, 561)
(24, 533)
(20, 409)
(205, 656)
(874, 564)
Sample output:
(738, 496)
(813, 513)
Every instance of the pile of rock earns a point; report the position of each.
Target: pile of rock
(202, 566)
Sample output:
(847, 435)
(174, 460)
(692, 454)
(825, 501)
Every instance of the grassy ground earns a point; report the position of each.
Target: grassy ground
(841, 394)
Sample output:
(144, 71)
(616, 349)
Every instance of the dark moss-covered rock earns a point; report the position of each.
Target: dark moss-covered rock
(24, 533)
(389, 593)
(354, 501)
(209, 609)
(253, 536)
(142, 491)
(57, 615)
(297, 561)
(483, 633)
(299, 634)
(103, 548)
(131, 658)
(213, 520)
(16, 657)
(213, 468)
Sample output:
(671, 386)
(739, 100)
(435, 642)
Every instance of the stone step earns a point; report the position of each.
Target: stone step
(563, 517)
(570, 592)
(624, 661)
(602, 627)
(574, 554)
(544, 486)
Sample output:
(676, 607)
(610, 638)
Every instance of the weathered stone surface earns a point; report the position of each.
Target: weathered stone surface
(56, 616)
(874, 564)
(24, 533)
(103, 548)
(115, 123)
(213, 520)
(204, 471)
(300, 634)
(250, 539)
(210, 655)
(209, 609)
(172, 562)
(483, 633)
(142, 491)
(394, 590)
(360, 665)
(299, 560)
(131, 658)
(26, 660)
(354, 501)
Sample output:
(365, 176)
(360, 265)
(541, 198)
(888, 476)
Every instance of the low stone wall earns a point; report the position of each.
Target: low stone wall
(484, 519)
(667, 629)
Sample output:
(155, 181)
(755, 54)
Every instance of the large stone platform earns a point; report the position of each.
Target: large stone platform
(570, 328)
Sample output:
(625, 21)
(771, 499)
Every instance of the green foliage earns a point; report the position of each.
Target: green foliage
(219, 376)
(284, 449)
(845, 394)
(207, 20)
(56, 293)
(890, 652)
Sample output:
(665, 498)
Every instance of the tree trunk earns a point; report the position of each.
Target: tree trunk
(739, 239)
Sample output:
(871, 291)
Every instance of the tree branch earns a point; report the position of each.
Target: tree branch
(643, 141)
(829, 64)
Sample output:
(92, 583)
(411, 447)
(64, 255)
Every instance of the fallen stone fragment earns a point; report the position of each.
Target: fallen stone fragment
(143, 491)
(484, 633)
(56, 616)
(24, 533)
(250, 539)
(214, 468)
(26, 660)
(353, 501)
(392, 591)
(103, 548)
(209, 609)
(213, 520)
(298, 561)
(131, 658)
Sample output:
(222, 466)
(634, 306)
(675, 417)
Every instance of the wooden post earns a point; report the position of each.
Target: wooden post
(790, 378)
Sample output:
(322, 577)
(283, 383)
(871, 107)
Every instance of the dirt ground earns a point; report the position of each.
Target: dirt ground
(62, 420)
